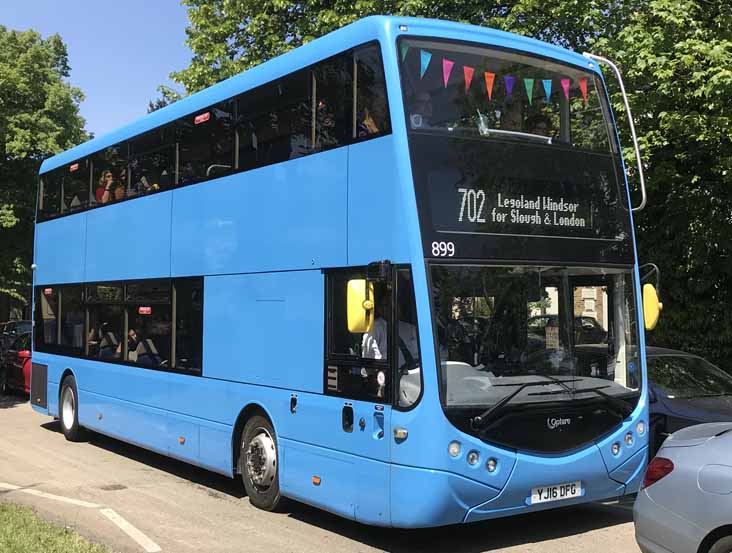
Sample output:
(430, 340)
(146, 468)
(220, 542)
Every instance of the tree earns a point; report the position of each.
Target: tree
(167, 97)
(675, 58)
(230, 36)
(39, 117)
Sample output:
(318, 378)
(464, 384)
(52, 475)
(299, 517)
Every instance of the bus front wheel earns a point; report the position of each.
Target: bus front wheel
(69, 410)
(259, 463)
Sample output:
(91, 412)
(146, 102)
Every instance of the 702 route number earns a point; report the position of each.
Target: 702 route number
(443, 249)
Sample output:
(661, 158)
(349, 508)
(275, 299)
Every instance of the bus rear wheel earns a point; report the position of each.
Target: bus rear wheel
(69, 410)
(259, 463)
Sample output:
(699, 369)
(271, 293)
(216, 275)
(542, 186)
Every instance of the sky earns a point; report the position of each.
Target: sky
(119, 51)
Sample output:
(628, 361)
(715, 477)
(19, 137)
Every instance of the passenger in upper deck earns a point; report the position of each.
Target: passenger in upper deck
(119, 192)
(103, 193)
(420, 112)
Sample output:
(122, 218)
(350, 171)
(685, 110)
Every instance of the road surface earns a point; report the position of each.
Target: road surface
(180, 508)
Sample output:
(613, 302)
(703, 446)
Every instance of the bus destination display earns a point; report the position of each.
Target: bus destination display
(535, 211)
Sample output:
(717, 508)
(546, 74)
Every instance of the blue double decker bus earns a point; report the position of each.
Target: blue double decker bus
(391, 274)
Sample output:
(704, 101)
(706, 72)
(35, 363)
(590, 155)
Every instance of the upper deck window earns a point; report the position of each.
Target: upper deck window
(152, 161)
(110, 180)
(75, 186)
(486, 92)
(207, 143)
(372, 111)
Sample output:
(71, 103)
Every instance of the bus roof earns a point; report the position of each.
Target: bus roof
(370, 28)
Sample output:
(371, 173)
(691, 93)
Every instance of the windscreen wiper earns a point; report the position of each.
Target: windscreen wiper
(482, 420)
(620, 407)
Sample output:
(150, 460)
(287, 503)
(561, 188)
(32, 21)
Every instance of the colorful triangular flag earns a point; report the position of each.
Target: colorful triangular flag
(404, 49)
(424, 61)
(583, 88)
(565, 86)
(446, 70)
(489, 78)
(547, 89)
(529, 85)
(509, 80)
(468, 73)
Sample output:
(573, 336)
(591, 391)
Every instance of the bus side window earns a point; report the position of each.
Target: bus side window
(206, 140)
(372, 112)
(49, 195)
(152, 161)
(76, 186)
(333, 101)
(409, 366)
(357, 364)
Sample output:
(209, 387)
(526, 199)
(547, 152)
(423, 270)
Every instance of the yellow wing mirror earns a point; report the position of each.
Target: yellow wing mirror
(651, 306)
(360, 305)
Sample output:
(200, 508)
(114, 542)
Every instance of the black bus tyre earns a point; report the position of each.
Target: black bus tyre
(259, 463)
(3, 382)
(68, 410)
(722, 546)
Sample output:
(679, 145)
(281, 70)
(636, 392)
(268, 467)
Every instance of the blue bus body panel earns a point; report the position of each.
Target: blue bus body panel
(60, 254)
(376, 226)
(265, 329)
(289, 215)
(130, 240)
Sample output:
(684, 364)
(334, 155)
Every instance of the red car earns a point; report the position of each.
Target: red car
(15, 372)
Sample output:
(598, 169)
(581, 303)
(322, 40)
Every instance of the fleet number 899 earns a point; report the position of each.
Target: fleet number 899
(443, 249)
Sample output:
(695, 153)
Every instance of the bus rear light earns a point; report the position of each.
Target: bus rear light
(142, 310)
(629, 439)
(616, 449)
(491, 465)
(657, 469)
(640, 428)
(473, 458)
(73, 167)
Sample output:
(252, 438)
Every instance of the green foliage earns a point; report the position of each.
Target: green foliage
(39, 116)
(167, 96)
(675, 58)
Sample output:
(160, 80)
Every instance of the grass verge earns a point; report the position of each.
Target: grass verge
(22, 531)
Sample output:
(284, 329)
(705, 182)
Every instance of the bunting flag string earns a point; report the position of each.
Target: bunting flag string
(446, 70)
(529, 85)
(425, 58)
(468, 74)
(565, 86)
(583, 88)
(489, 78)
(424, 61)
(509, 81)
(547, 89)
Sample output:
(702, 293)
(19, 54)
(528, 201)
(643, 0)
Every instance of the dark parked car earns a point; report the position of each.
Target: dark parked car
(10, 332)
(15, 372)
(684, 390)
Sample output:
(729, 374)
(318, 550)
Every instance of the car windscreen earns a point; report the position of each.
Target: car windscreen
(686, 377)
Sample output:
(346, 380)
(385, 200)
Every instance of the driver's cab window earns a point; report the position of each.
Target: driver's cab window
(357, 364)
(362, 365)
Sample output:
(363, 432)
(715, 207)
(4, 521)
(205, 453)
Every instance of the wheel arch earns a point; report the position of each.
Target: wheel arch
(713, 536)
(245, 414)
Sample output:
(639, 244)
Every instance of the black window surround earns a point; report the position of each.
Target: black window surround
(114, 295)
(125, 173)
(351, 375)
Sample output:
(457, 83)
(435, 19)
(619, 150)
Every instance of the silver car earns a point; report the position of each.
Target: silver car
(685, 503)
